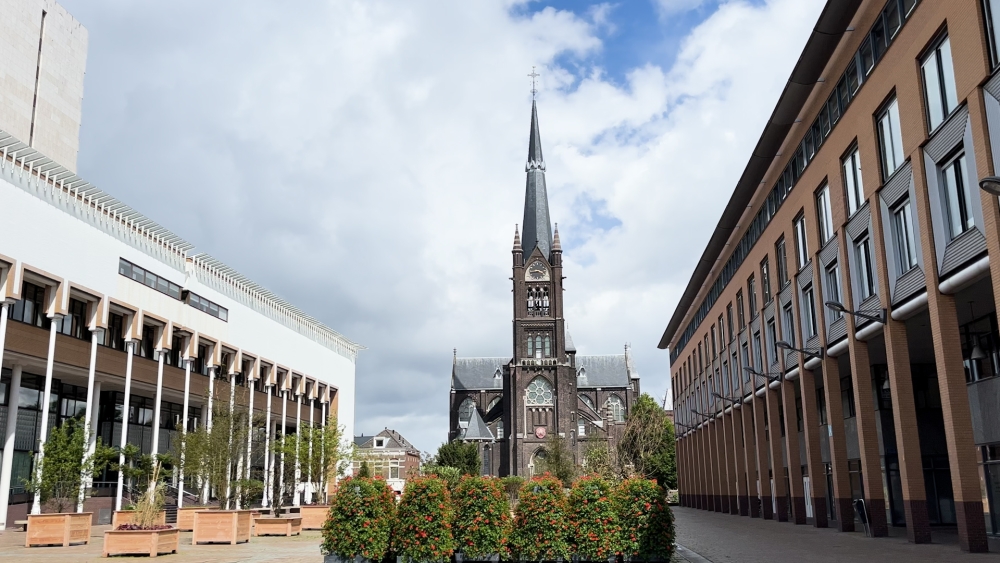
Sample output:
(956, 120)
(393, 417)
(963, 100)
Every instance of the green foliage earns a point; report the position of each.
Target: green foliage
(482, 515)
(600, 459)
(540, 526)
(558, 460)
(451, 475)
(422, 532)
(322, 452)
(149, 504)
(365, 470)
(283, 479)
(593, 520)
(647, 527)
(460, 455)
(360, 519)
(64, 467)
(512, 485)
(647, 445)
(249, 491)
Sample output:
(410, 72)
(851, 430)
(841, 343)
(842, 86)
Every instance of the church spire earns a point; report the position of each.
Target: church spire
(537, 228)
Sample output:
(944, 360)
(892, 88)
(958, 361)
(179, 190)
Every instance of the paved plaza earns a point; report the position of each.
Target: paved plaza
(722, 538)
(303, 548)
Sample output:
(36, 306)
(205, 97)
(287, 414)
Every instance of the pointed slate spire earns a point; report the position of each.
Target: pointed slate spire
(556, 246)
(517, 240)
(537, 228)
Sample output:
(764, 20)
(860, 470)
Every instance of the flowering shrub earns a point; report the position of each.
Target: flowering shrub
(647, 525)
(360, 519)
(422, 531)
(595, 532)
(482, 515)
(540, 525)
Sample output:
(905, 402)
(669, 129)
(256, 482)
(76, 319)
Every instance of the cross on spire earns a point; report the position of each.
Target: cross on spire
(533, 76)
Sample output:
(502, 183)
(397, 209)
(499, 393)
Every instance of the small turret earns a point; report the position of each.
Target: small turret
(517, 251)
(556, 248)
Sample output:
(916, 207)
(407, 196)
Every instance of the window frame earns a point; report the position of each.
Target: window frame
(801, 241)
(781, 261)
(939, 53)
(865, 260)
(962, 197)
(888, 116)
(824, 215)
(853, 180)
(903, 236)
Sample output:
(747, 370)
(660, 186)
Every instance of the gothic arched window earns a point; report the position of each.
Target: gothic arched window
(539, 392)
(617, 408)
(500, 429)
(531, 346)
(538, 346)
(588, 401)
(465, 413)
(548, 347)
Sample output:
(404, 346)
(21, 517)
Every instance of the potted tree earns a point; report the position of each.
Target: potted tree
(482, 517)
(138, 471)
(595, 531)
(146, 532)
(361, 515)
(422, 529)
(323, 459)
(539, 531)
(57, 480)
(284, 484)
(646, 522)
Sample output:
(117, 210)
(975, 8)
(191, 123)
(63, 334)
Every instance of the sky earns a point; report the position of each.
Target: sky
(365, 159)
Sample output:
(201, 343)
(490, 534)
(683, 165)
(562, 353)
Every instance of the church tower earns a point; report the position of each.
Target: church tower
(540, 390)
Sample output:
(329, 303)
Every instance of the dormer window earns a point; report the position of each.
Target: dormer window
(379, 442)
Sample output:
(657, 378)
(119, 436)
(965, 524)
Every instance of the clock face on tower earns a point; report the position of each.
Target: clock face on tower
(536, 272)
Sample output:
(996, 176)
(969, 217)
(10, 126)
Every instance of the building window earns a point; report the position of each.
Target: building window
(538, 301)
(500, 429)
(833, 289)
(729, 319)
(847, 396)
(380, 442)
(746, 361)
(581, 426)
(824, 217)
(539, 392)
(852, 182)
(954, 185)
(801, 246)
(714, 349)
(981, 348)
(772, 340)
(207, 306)
(902, 229)
(722, 334)
(781, 261)
(617, 407)
(30, 308)
(866, 272)
(890, 139)
(752, 295)
(739, 310)
(75, 322)
(465, 411)
(991, 9)
(758, 352)
(809, 312)
(765, 280)
(788, 324)
(939, 83)
(147, 278)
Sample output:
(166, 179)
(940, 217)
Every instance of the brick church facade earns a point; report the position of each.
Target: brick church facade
(510, 406)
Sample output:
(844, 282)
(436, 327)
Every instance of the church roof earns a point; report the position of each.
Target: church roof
(477, 429)
(570, 347)
(477, 373)
(602, 371)
(537, 230)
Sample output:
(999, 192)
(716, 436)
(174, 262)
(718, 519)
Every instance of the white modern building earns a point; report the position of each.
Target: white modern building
(105, 312)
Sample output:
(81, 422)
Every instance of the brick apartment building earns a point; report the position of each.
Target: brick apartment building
(838, 338)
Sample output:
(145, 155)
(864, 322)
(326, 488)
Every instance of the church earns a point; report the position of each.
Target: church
(511, 405)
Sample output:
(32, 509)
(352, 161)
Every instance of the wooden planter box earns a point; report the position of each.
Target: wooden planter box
(314, 516)
(58, 529)
(268, 526)
(221, 526)
(141, 542)
(128, 517)
(185, 517)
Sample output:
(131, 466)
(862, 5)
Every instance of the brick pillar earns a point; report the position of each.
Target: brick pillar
(721, 450)
(838, 445)
(750, 458)
(763, 465)
(792, 454)
(773, 397)
(871, 467)
(703, 467)
(814, 457)
(731, 467)
(739, 453)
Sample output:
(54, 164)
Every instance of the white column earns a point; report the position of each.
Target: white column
(268, 464)
(232, 406)
(184, 427)
(89, 427)
(208, 425)
(36, 504)
(284, 410)
(312, 425)
(246, 460)
(324, 476)
(296, 500)
(14, 392)
(129, 345)
(156, 405)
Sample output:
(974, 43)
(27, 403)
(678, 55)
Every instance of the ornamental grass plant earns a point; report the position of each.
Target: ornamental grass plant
(646, 522)
(594, 527)
(540, 527)
(360, 520)
(422, 532)
(482, 517)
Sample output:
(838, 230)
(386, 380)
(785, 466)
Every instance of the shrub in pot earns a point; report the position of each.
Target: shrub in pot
(482, 516)
(360, 519)
(539, 531)
(647, 524)
(422, 530)
(595, 531)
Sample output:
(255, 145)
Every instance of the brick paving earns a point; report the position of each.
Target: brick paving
(302, 548)
(722, 538)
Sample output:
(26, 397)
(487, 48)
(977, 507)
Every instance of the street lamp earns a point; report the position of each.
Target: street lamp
(990, 184)
(703, 415)
(877, 315)
(731, 400)
(809, 352)
(768, 376)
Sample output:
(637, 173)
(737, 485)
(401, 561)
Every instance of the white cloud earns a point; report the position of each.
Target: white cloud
(674, 7)
(365, 161)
